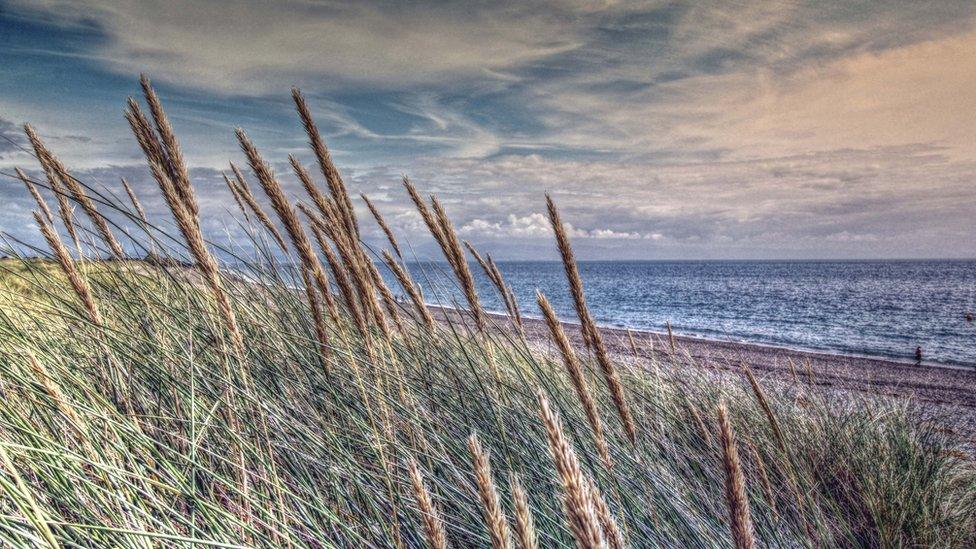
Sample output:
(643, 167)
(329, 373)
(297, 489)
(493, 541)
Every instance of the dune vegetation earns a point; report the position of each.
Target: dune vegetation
(298, 400)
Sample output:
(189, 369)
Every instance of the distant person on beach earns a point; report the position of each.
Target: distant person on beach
(918, 355)
(969, 316)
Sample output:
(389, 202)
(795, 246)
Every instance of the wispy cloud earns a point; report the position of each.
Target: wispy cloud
(664, 128)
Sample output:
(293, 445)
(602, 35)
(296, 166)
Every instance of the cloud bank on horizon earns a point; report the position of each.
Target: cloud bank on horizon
(749, 129)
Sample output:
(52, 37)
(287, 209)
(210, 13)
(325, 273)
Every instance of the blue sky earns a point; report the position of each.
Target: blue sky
(663, 129)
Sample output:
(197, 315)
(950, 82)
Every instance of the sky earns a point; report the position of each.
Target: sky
(664, 130)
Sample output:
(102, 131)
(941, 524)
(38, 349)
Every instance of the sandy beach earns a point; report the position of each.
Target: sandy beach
(947, 395)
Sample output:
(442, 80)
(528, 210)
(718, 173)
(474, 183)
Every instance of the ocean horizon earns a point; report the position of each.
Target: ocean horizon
(881, 308)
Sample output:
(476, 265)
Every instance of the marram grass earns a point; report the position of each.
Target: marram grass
(209, 407)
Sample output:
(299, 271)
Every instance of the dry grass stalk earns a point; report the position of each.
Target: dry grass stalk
(244, 190)
(80, 286)
(524, 523)
(140, 211)
(767, 409)
(41, 203)
(424, 210)
(696, 415)
(584, 522)
(198, 248)
(321, 333)
(615, 537)
(512, 302)
(319, 199)
(52, 163)
(735, 484)
(451, 247)
(382, 223)
(282, 207)
(671, 340)
(342, 281)
(354, 262)
(65, 210)
(53, 390)
(388, 300)
(495, 276)
(336, 226)
(789, 362)
(329, 170)
(572, 272)
(238, 199)
(433, 525)
(182, 203)
(413, 291)
(170, 148)
(590, 332)
(491, 504)
(764, 478)
(633, 344)
(578, 378)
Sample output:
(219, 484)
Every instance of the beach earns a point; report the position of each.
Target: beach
(945, 394)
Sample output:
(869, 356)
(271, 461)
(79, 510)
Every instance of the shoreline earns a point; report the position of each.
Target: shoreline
(946, 395)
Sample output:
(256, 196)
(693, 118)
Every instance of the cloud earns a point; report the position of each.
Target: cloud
(663, 129)
(252, 47)
(536, 225)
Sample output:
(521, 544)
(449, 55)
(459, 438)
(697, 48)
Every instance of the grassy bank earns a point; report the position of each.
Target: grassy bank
(170, 403)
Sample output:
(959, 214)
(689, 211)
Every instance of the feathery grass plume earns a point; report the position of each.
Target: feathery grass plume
(425, 214)
(590, 332)
(452, 247)
(245, 193)
(413, 291)
(198, 249)
(576, 375)
(577, 499)
(341, 277)
(170, 147)
(571, 269)
(491, 504)
(321, 333)
(238, 199)
(354, 263)
(513, 303)
(332, 177)
(615, 537)
(388, 300)
(80, 286)
(326, 210)
(696, 415)
(65, 210)
(524, 523)
(140, 211)
(382, 223)
(764, 404)
(495, 276)
(294, 228)
(735, 484)
(45, 156)
(37, 195)
(433, 525)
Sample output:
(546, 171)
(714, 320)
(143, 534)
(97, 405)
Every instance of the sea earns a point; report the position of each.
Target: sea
(879, 309)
